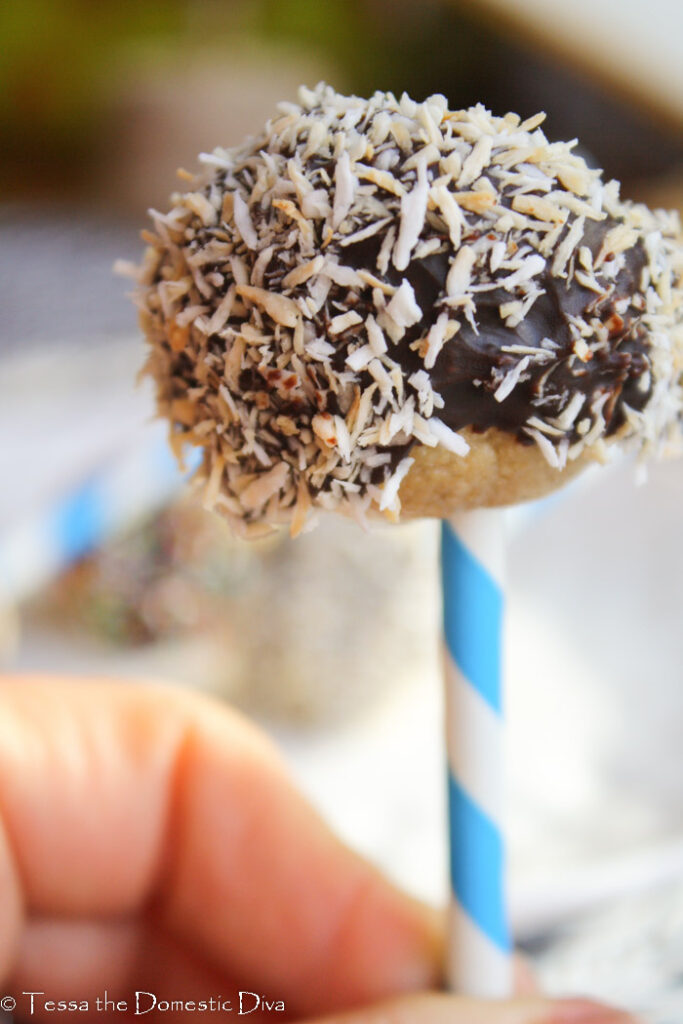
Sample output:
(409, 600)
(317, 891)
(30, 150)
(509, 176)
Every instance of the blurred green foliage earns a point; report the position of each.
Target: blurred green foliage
(55, 65)
(417, 47)
(62, 62)
(61, 59)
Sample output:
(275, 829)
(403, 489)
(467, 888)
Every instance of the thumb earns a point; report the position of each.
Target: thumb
(445, 1009)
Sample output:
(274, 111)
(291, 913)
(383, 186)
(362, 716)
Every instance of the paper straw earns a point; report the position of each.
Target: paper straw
(130, 485)
(479, 950)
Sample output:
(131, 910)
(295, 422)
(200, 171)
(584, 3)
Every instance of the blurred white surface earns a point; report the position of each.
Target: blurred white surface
(628, 954)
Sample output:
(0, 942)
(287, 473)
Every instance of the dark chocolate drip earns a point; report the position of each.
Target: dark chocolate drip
(471, 365)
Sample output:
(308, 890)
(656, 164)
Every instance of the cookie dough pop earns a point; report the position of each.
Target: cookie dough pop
(385, 308)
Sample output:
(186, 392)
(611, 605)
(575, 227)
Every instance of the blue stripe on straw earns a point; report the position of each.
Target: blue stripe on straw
(473, 616)
(477, 865)
(79, 522)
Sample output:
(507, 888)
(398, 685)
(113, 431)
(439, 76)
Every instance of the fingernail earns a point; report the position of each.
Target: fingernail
(584, 1011)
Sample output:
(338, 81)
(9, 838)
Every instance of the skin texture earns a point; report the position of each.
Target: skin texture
(151, 840)
(497, 470)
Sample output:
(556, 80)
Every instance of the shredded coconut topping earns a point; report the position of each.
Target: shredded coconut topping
(286, 362)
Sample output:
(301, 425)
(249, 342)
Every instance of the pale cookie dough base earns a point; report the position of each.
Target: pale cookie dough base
(497, 470)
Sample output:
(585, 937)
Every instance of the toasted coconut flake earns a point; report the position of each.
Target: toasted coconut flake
(533, 122)
(345, 183)
(510, 380)
(427, 247)
(289, 209)
(427, 398)
(264, 487)
(391, 487)
(200, 205)
(450, 212)
(451, 165)
(568, 415)
(223, 311)
(183, 411)
(228, 207)
(343, 438)
(497, 255)
(574, 177)
(448, 438)
(240, 271)
(213, 484)
(367, 232)
(341, 323)
(243, 222)
(347, 277)
(429, 154)
(531, 267)
(316, 205)
(364, 413)
(126, 268)
(435, 340)
(458, 280)
(301, 509)
(376, 338)
(616, 241)
(324, 427)
(377, 284)
(545, 446)
(567, 247)
(383, 179)
(178, 336)
(360, 358)
(403, 308)
(281, 309)
(385, 251)
(320, 349)
(577, 206)
(476, 161)
(413, 211)
(540, 209)
(377, 370)
(475, 202)
(303, 271)
(545, 428)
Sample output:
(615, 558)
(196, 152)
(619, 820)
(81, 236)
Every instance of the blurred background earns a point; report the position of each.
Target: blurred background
(106, 565)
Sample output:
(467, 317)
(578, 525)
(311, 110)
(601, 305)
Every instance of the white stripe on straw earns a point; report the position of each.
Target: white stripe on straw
(479, 955)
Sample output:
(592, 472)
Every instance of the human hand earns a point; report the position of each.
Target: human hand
(150, 841)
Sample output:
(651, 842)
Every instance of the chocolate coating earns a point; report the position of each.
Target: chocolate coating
(464, 372)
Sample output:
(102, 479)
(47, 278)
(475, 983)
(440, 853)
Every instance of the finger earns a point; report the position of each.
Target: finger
(443, 1009)
(132, 963)
(114, 797)
(311, 920)
(128, 966)
(87, 775)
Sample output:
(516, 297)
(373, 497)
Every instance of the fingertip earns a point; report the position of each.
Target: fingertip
(436, 1008)
(587, 1011)
(440, 1008)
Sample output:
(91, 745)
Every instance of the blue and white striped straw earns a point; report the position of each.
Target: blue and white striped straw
(133, 483)
(479, 950)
